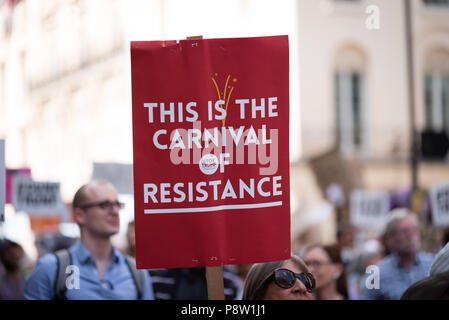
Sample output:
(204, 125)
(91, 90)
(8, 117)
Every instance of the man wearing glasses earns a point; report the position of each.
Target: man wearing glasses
(406, 265)
(97, 270)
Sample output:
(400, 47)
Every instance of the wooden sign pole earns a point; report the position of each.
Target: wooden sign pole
(214, 275)
(215, 286)
(194, 38)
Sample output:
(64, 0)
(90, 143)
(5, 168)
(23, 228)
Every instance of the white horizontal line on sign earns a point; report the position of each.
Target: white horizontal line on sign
(215, 208)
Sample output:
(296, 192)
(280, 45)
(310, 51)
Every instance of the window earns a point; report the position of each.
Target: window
(349, 113)
(350, 66)
(437, 102)
(435, 136)
(436, 90)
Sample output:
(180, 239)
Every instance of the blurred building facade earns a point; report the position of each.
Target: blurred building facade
(353, 84)
(354, 94)
(65, 66)
(65, 73)
(65, 92)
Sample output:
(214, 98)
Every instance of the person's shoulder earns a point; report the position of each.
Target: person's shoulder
(131, 262)
(426, 256)
(39, 285)
(46, 265)
(425, 259)
(48, 259)
(387, 268)
(387, 262)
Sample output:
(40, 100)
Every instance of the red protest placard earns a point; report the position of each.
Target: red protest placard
(210, 145)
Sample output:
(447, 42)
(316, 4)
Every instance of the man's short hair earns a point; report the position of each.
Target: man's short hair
(395, 216)
(79, 199)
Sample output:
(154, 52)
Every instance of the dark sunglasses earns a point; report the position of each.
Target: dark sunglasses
(104, 205)
(286, 279)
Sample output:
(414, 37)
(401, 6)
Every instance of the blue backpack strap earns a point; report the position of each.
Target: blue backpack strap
(137, 275)
(63, 261)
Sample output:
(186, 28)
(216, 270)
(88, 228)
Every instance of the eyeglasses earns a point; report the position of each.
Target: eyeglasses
(286, 279)
(104, 205)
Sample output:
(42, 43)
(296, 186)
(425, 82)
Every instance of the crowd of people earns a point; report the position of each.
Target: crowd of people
(391, 267)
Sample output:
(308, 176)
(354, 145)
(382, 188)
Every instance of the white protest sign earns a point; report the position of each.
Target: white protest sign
(2, 180)
(38, 198)
(369, 209)
(439, 200)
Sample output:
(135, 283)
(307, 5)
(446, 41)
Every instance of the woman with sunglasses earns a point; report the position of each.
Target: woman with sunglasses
(326, 265)
(279, 280)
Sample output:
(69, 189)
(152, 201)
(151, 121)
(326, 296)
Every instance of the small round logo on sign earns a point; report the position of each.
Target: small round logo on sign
(208, 164)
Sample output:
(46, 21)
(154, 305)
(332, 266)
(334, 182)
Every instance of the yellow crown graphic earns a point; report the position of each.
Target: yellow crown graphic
(225, 94)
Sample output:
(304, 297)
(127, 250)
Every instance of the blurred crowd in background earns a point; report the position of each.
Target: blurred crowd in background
(363, 141)
(341, 269)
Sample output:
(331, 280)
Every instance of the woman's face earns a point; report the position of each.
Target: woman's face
(321, 266)
(297, 292)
